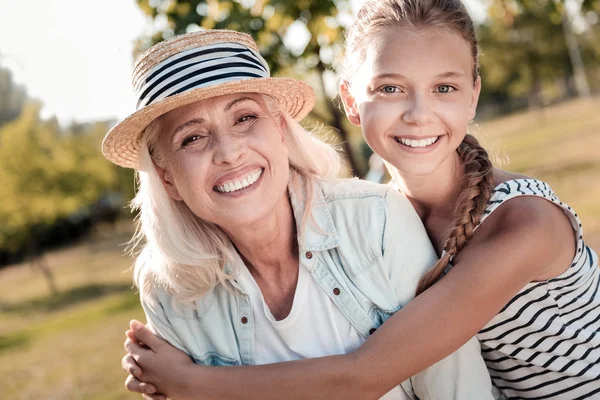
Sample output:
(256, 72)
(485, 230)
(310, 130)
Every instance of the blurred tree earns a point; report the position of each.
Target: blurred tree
(12, 97)
(46, 173)
(300, 37)
(528, 43)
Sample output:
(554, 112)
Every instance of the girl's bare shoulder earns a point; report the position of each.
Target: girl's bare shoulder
(538, 225)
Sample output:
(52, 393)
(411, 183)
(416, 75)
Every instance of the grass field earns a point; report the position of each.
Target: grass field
(560, 145)
(69, 346)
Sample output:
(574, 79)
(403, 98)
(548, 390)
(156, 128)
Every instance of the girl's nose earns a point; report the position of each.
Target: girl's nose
(418, 111)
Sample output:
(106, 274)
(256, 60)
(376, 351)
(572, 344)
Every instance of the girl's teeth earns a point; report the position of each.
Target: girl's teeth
(240, 183)
(419, 143)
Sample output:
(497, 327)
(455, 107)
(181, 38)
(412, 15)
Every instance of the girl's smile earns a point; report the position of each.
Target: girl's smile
(416, 145)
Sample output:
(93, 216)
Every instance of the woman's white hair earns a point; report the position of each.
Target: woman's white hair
(184, 255)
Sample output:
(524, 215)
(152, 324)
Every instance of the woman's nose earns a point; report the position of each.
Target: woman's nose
(229, 149)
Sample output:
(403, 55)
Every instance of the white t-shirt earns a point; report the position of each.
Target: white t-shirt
(315, 327)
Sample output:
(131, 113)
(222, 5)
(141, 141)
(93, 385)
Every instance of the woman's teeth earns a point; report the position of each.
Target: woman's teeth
(240, 183)
(417, 143)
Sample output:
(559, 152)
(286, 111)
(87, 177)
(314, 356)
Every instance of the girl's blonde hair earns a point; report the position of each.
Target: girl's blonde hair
(451, 16)
(185, 255)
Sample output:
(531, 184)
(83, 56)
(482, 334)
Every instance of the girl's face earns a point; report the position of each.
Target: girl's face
(414, 97)
(225, 158)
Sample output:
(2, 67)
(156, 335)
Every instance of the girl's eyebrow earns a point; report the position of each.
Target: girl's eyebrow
(450, 74)
(390, 75)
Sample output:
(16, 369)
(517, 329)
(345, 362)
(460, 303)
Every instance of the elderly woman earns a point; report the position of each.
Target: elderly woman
(252, 253)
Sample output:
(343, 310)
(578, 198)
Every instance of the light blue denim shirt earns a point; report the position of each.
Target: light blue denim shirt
(367, 249)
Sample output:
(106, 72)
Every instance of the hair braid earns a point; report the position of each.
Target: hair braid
(475, 190)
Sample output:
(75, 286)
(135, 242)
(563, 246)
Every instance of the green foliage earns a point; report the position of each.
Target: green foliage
(524, 50)
(267, 21)
(12, 97)
(520, 48)
(47, 172)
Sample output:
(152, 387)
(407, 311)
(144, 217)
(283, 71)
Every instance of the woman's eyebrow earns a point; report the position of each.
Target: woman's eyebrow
(237, 101)
(185, 125)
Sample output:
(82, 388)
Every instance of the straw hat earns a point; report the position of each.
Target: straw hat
(192, 67)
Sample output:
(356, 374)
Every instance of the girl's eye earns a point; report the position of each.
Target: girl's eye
(191, 139)
(445, 89)
(389, 89)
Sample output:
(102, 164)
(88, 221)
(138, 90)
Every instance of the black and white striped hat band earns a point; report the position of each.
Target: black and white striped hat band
(197, 68)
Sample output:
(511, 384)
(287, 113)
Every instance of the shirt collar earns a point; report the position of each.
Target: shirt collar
(318, 232)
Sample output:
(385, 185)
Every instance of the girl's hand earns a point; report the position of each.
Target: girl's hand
(156, 368)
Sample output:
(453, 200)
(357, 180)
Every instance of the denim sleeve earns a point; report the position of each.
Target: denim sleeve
(407, 250)
(159, 323)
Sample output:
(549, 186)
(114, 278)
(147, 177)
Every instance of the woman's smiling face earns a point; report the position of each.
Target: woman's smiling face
(226, 158)
(415, 96)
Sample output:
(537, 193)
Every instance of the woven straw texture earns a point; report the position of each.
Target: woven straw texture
(121, 144)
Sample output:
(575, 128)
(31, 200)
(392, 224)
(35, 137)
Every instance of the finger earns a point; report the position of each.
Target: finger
(134, 385)
(131, 367)
(154, 396)
(147, 388)
(131, 346)
(145, 335)
(131, 335)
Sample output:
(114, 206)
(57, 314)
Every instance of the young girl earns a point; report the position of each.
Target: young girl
(515, 269)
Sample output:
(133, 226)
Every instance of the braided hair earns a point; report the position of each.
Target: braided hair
(475, 190)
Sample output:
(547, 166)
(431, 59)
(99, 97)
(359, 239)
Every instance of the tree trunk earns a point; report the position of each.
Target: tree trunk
(336, 122)
(38, 261)
(581, 85)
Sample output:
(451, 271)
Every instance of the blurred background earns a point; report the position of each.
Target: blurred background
(65, 286)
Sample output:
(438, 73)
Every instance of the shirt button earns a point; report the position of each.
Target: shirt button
(308, 255)
(372, 331)
(244, 320)
(336, 291)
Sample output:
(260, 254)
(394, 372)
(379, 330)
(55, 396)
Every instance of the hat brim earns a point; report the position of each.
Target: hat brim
(122, 143)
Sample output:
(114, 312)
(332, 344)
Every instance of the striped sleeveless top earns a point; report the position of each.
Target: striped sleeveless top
(545, 343)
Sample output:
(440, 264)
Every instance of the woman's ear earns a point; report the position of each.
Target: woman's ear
(167, 181)
(283, 127)
(349, 102)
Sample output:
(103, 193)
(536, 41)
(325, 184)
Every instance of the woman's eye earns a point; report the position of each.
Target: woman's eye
(445, 89)
(191, 139)
(245, 118)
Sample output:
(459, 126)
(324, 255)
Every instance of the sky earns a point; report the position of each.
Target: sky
(76, 55)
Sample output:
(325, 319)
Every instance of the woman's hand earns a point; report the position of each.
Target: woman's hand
(156, 368)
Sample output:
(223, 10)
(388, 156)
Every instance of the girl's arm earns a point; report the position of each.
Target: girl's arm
(514, 247)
